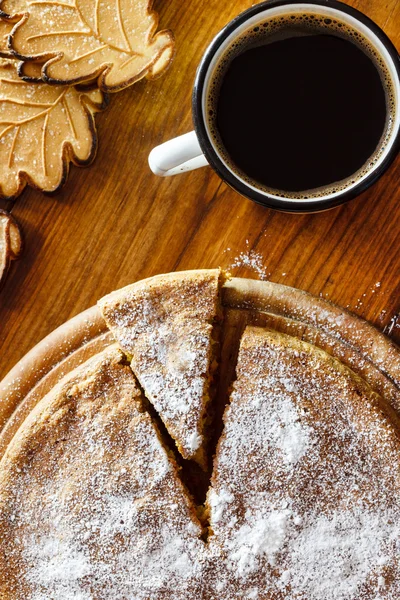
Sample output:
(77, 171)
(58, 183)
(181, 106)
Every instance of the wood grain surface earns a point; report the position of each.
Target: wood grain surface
(115, 222)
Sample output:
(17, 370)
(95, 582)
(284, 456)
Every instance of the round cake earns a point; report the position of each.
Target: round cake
(235, 439)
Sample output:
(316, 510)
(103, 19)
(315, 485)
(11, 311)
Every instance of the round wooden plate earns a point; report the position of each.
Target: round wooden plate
(354, 341)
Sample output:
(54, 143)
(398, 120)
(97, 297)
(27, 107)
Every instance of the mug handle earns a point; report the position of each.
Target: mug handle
(176, 156)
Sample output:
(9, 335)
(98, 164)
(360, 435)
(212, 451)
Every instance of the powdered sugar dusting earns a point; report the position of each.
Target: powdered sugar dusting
(341, 551)
(302, 504)
(218, 501)
(166, 326)
(96, 511)
(278, 423)
(264, 537)
(250, 260)
(57, 565)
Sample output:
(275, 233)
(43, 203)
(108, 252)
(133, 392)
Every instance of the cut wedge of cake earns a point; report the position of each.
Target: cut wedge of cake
(90, 502)
(305, 495)
(166, 324)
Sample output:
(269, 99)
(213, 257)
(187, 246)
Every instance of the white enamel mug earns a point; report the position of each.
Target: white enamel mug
(198, 149)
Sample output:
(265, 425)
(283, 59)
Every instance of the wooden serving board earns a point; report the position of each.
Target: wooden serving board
(354, 341)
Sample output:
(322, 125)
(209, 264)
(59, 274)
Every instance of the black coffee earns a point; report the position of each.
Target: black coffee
(301, 112)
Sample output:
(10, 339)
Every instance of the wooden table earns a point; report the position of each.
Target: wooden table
(116, 222)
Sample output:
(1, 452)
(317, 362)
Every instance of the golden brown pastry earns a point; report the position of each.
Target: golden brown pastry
(91, 506)
(165, 324)
(60, 120)
(304, 503)
(115, 44)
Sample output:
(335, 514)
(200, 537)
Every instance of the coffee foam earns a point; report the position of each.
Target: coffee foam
(278, 28)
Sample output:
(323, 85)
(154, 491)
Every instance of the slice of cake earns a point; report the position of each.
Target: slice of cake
(91, 505)
(166, 325)
(305, 495)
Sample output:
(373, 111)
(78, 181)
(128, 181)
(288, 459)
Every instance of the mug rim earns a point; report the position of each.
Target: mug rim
(207, 146)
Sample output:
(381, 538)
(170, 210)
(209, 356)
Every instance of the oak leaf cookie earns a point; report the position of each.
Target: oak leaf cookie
(10, 243)
(29, 71)
(114, 43)
(42, 129)
(6, 26)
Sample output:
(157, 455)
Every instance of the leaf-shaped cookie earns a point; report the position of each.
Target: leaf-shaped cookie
(4, 245)
(42, 129)
(10, 243)
(5, 30)
(83, 40)
(16, 244)
(29, 71)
